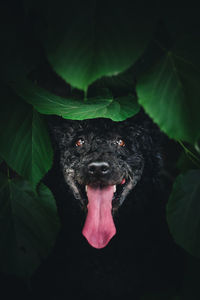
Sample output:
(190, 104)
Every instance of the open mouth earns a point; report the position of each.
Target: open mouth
(99, 227)
(118, 190)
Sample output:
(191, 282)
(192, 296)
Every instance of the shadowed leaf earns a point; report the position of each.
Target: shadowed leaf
(28, 226)
(47, 103)
(95, 38)
(183, 212)
(170, 91)
(24, 139)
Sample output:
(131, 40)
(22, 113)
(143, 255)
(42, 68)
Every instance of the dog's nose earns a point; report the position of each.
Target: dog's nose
(98, 168)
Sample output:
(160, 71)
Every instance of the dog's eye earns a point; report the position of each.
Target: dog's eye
(120, 142)
(80, 143)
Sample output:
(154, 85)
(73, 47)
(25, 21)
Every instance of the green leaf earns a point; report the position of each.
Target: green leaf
(24, 139)
(121, 84)
(47, 103)
(185, 163)
(170, 91)
(28, 226)
(95, 38)
(183, 212)
(190, 159)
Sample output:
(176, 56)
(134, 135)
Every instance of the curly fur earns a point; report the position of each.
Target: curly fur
(142, 254)
(141, 154)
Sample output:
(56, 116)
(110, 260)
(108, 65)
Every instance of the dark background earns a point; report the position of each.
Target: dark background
(168, 272)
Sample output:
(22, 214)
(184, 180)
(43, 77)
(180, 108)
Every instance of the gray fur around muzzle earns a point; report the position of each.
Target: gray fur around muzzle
(103, 171)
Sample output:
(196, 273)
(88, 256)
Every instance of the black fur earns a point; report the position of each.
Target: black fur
(142, 256)
(140, 153)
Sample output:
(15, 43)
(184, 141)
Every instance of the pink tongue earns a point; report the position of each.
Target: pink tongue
(99, 227)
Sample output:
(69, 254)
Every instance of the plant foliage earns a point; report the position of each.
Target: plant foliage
(105, 106)
(86, 46)
(170, 91)
(107, 60)
(24, 140)
(183, 211)
(29, 224)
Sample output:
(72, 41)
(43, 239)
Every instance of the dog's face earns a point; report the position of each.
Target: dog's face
(102, 161)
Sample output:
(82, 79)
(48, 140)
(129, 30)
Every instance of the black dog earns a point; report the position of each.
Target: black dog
(111, 183)
(102, 161)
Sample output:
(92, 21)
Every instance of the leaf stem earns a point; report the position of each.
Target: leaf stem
(160, 46)
(8, 172)
(190, 154)
(85, 96)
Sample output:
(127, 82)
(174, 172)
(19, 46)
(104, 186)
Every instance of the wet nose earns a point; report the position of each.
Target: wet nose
(98, 168)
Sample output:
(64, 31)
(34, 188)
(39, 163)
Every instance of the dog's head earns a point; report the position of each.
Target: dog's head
(102, 161)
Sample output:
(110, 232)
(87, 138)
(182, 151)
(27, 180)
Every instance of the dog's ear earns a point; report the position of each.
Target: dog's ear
(142, 129)
(147, 137)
